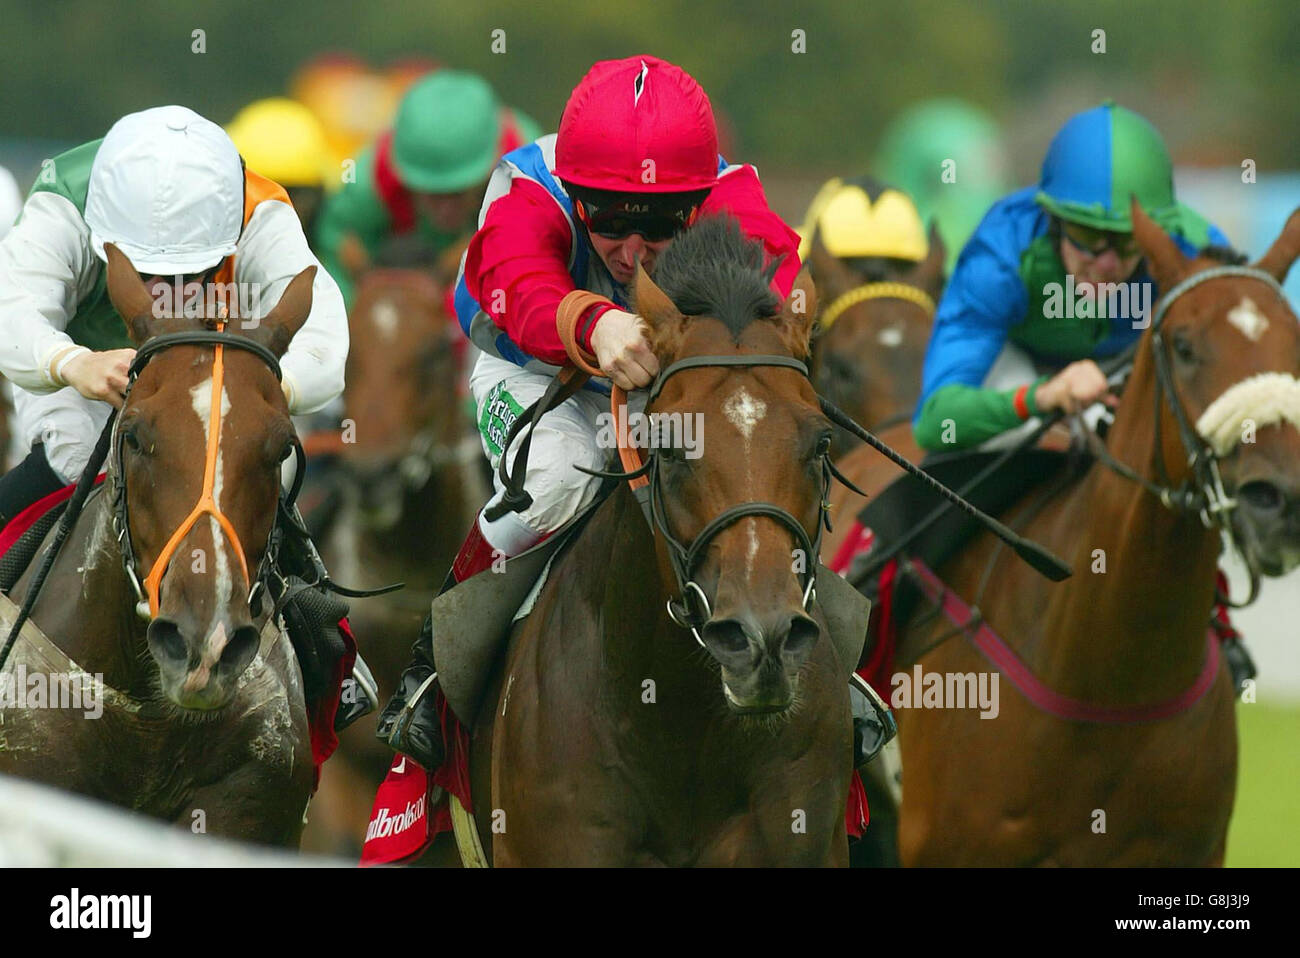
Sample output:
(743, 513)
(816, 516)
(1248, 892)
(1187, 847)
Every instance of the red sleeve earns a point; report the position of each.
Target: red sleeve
(517, 268)
(741, 194)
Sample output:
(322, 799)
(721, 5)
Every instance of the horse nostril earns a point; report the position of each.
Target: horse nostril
(727, 639)
(164, 637)
(803, 635)
(241, 648)
(1262, 497)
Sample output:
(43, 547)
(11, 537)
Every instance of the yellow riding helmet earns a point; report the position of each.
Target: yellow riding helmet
(865, 218)
(282, 140)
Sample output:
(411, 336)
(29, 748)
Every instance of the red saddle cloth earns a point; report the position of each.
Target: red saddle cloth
(403, 822)
(320, 714)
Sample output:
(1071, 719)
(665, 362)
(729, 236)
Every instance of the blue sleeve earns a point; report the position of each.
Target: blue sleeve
(982, 301)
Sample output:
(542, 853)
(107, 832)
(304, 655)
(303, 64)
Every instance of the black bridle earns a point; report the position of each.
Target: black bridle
(691, 609)
(120, 521)
(1202, 492)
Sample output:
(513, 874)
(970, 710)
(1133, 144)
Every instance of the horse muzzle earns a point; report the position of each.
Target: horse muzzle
(760, 659)
(1268, 518)
(196, 673)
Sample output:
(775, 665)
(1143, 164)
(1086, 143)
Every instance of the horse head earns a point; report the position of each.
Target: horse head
(1232, 350)
(196, 467)
(875, 326)
(763, 442)
(402, 399)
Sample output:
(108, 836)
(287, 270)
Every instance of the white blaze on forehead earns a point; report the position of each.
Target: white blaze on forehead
(384, 316)
(1263, 400)
(890, 336)
(744, 411)
(201, 401)
(1246, 316)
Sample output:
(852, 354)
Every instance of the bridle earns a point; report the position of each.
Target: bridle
(886, 290)
(691, 609)
(147, 591)
(1202, 492)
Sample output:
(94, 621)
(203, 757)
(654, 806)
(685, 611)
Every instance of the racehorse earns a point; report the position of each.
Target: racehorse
(409, 490)
(873, 331)
(203, 721)
(1137, 766)
(610, 737)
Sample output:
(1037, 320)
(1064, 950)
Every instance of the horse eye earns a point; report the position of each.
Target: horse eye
(1183, 349)
(131, 440)
(824, 445)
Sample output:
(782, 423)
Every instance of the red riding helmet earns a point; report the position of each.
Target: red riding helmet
(638, 125)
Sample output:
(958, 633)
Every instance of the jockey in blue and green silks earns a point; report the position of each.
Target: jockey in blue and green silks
(1021, 325)
(1024, 318)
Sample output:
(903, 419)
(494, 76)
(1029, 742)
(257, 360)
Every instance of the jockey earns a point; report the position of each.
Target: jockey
(635, 161)
(282, 140)
(1023, 319)
(427, 172)
(170, 190)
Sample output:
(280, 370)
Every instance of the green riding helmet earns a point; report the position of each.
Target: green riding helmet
(1098, 160)
(447, 133)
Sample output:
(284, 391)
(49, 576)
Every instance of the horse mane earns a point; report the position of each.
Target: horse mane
(713, 269)
(1226, 255)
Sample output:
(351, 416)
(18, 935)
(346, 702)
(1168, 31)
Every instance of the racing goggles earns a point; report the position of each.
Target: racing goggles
(654, 221)
(1094, 242)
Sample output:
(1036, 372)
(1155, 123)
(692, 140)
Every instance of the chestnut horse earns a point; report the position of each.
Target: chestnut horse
(1215, 376)
(408, 471)
(203, 721)
(610, 737)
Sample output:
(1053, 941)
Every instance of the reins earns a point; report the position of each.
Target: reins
(691, 610)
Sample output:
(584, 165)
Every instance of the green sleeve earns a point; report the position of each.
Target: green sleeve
(958, 416)
(356, 209)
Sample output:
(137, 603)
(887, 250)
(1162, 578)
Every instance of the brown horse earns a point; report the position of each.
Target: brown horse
(203, 721)
(1128, 631)
(873, 331)
(610, 738)
(407, 469)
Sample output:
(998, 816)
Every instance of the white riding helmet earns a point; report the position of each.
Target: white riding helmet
(167, 188)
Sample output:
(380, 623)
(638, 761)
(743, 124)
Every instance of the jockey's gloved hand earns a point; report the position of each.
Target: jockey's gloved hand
(410, 723)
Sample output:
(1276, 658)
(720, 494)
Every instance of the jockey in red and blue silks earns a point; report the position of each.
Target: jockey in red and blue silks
(634, 162)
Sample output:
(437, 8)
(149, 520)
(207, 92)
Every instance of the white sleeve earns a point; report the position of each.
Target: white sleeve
(46, 267)
(271, 252)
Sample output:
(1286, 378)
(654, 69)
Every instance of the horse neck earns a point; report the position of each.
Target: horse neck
(1144, 618)
(100, 629)
(636, 641)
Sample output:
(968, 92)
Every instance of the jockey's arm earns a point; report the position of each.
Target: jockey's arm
(517, 269)
(272, 251)
(46, 267)
(984, 298)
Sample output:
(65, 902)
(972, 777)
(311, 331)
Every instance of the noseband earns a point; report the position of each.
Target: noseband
(147, 593)
(1202, 492)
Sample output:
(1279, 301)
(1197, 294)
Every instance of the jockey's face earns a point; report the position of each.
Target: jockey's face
(620, 255)
(450, 212)
(1094, 256)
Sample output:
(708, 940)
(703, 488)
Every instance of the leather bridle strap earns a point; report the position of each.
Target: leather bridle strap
(860, 294)
(206, 504)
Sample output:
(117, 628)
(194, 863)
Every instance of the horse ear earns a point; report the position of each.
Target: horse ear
(1277, 261)
(128, 294)
(652, 303)
(279, 325)
(353, 256)
(828, 272)
(797, 314)
(928, 274)
(1165, 259)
